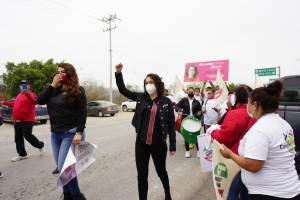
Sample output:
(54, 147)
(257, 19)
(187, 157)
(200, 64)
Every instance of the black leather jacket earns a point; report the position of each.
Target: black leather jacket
(164, 108)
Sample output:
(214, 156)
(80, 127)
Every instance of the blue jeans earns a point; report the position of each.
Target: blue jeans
(202, 119)
(238, 188)
(61, 143)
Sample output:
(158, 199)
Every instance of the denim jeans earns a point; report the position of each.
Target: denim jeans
(61, 143)
(238, 188)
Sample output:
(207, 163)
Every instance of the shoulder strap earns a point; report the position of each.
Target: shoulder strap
(205, 102)
(241, 133)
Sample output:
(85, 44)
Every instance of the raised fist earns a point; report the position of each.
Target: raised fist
(119, 67)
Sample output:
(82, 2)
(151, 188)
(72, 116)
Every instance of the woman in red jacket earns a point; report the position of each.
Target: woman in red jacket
(234, 125)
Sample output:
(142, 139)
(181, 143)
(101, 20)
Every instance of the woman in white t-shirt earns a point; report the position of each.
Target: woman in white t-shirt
(268, 149)
(209, 109)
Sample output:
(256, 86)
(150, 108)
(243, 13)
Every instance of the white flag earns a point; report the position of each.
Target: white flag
(177, 90)
(178, 96)
(257, 82)
(78, 158)
(177, 86)
(221, 93)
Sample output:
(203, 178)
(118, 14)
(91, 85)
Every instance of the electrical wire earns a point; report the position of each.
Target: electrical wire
(171, 57)
(73, 9)
(83, 22)
(49, 36)
(154, 41)
(128, 38)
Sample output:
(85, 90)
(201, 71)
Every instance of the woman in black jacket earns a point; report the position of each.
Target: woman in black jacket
(66, 103)
(154, 116)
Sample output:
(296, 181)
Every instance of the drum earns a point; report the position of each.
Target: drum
(190, 128)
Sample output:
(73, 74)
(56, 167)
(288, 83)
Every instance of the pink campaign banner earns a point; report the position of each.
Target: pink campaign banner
(200, 71)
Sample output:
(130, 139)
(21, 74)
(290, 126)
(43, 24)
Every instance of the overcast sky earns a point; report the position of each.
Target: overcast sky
(154, 36)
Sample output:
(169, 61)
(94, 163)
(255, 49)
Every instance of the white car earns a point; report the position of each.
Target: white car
(128, 105)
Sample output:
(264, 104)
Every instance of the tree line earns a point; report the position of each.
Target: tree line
(40, 74)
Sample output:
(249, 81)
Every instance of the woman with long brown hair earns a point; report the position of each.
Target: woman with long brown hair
(66, 103)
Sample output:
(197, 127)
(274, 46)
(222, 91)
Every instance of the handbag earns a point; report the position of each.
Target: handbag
(241, 133)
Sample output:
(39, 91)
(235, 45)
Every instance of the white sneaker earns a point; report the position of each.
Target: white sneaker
(198, 154)
(18, 158)
(43, 149)
(187, 154)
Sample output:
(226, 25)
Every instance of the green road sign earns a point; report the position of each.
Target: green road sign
(273, 79)
(266, 71)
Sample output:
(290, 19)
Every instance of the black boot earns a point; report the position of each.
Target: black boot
(67, 195)
(168, 195)
(79, 196)
(55, 171)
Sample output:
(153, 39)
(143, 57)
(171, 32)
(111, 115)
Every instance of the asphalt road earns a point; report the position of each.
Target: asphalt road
(113, 174)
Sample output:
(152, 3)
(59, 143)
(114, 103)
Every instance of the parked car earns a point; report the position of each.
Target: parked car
(41, 113)
(100, 108)
(289, 109)
(128, 105)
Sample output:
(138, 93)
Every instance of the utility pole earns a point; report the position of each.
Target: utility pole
(108, 21)
(278, 72)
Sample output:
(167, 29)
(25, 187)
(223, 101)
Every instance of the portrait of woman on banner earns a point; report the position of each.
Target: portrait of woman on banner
(191, 74)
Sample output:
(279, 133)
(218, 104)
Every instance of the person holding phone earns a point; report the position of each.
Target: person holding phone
(24, 117)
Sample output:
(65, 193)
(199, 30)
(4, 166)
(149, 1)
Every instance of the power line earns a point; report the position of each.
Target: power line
(72, 2)
(73, 9)
(45, 35)
(145, 37)
(83, 22)
(171, 56)
(94, 8)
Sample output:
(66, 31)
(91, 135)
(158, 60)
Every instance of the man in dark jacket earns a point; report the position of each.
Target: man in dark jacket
(24, 117)
(189, 106)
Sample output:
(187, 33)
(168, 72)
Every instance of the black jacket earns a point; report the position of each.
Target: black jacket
(164, 107)
(184, 104)
(63, 114)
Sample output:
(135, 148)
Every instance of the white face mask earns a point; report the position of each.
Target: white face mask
(250, 114)
(150, 88)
